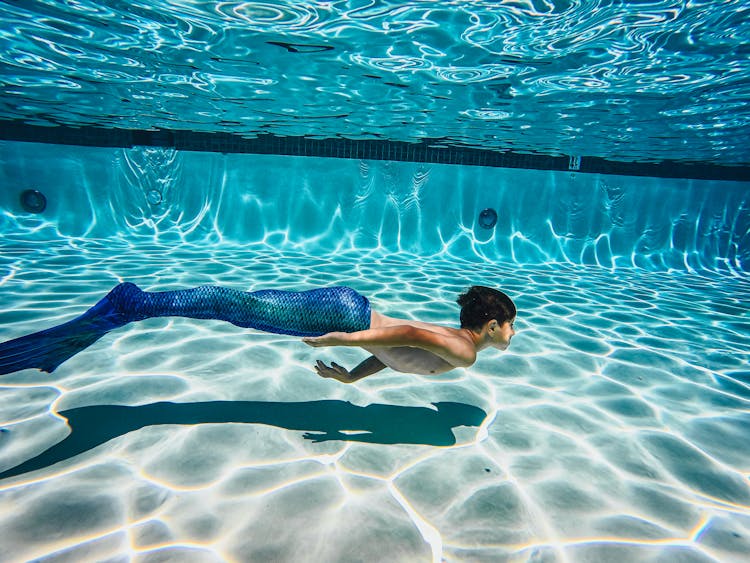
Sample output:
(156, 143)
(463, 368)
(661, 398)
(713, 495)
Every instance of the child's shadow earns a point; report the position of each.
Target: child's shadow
(322, 421)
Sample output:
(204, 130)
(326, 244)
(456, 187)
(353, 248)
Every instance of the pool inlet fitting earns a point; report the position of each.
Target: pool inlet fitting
(154, 197)
(488, 218)
(33, 201)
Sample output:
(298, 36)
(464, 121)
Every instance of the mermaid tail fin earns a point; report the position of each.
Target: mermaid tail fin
(47, 349)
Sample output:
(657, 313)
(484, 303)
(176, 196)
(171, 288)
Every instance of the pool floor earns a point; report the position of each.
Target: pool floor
(613, 429)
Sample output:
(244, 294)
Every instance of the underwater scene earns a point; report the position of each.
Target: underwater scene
(614, 427)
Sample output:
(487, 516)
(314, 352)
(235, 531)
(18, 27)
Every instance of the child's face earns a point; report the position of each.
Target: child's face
(502, 334)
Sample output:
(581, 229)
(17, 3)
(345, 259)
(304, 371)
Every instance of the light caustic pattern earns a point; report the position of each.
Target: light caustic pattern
(613, 429)
(336, 205)
(626, 80)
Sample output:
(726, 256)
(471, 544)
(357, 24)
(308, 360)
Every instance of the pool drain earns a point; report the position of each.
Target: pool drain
(33, 201)
(488, 218)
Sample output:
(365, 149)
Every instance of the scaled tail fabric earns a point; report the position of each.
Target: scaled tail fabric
(305, 313)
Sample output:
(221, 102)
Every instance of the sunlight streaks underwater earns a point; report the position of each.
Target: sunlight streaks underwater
(613, 429)
(380, 207)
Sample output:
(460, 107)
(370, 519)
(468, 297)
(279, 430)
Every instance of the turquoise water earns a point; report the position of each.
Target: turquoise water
(326, 206)
(647, 80)
(615, 426)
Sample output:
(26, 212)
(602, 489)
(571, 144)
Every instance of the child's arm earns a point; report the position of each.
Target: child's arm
(457, 351)
(340, 373)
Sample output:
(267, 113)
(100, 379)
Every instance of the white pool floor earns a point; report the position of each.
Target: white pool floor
(614, 428)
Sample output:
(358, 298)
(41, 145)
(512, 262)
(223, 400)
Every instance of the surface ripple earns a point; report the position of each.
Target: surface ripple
(640, 81)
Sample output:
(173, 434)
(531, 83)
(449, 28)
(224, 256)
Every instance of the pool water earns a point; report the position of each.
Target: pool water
(613, 428)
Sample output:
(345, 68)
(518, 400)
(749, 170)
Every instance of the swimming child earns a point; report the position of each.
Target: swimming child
(333, 316)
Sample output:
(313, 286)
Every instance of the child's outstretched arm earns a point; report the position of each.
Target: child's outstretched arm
(457, 351)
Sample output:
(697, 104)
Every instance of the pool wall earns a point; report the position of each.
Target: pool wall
(334, 205)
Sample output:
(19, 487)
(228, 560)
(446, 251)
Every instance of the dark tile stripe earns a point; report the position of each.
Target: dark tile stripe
(428, 150)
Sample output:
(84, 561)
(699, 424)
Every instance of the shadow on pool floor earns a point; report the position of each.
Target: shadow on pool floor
(321, 420)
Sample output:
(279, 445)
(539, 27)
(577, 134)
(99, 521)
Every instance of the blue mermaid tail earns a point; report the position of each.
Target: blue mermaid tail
(305, 313)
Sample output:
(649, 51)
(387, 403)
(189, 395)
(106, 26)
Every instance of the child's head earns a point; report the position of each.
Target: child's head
(480, 304)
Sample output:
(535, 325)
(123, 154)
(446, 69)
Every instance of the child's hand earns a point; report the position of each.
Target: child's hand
(334, 371)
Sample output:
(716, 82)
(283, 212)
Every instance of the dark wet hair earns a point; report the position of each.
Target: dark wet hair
(480, 304)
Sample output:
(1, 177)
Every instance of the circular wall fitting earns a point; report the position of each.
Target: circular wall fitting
(154, 197)
(488, 218)
(33, 201)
